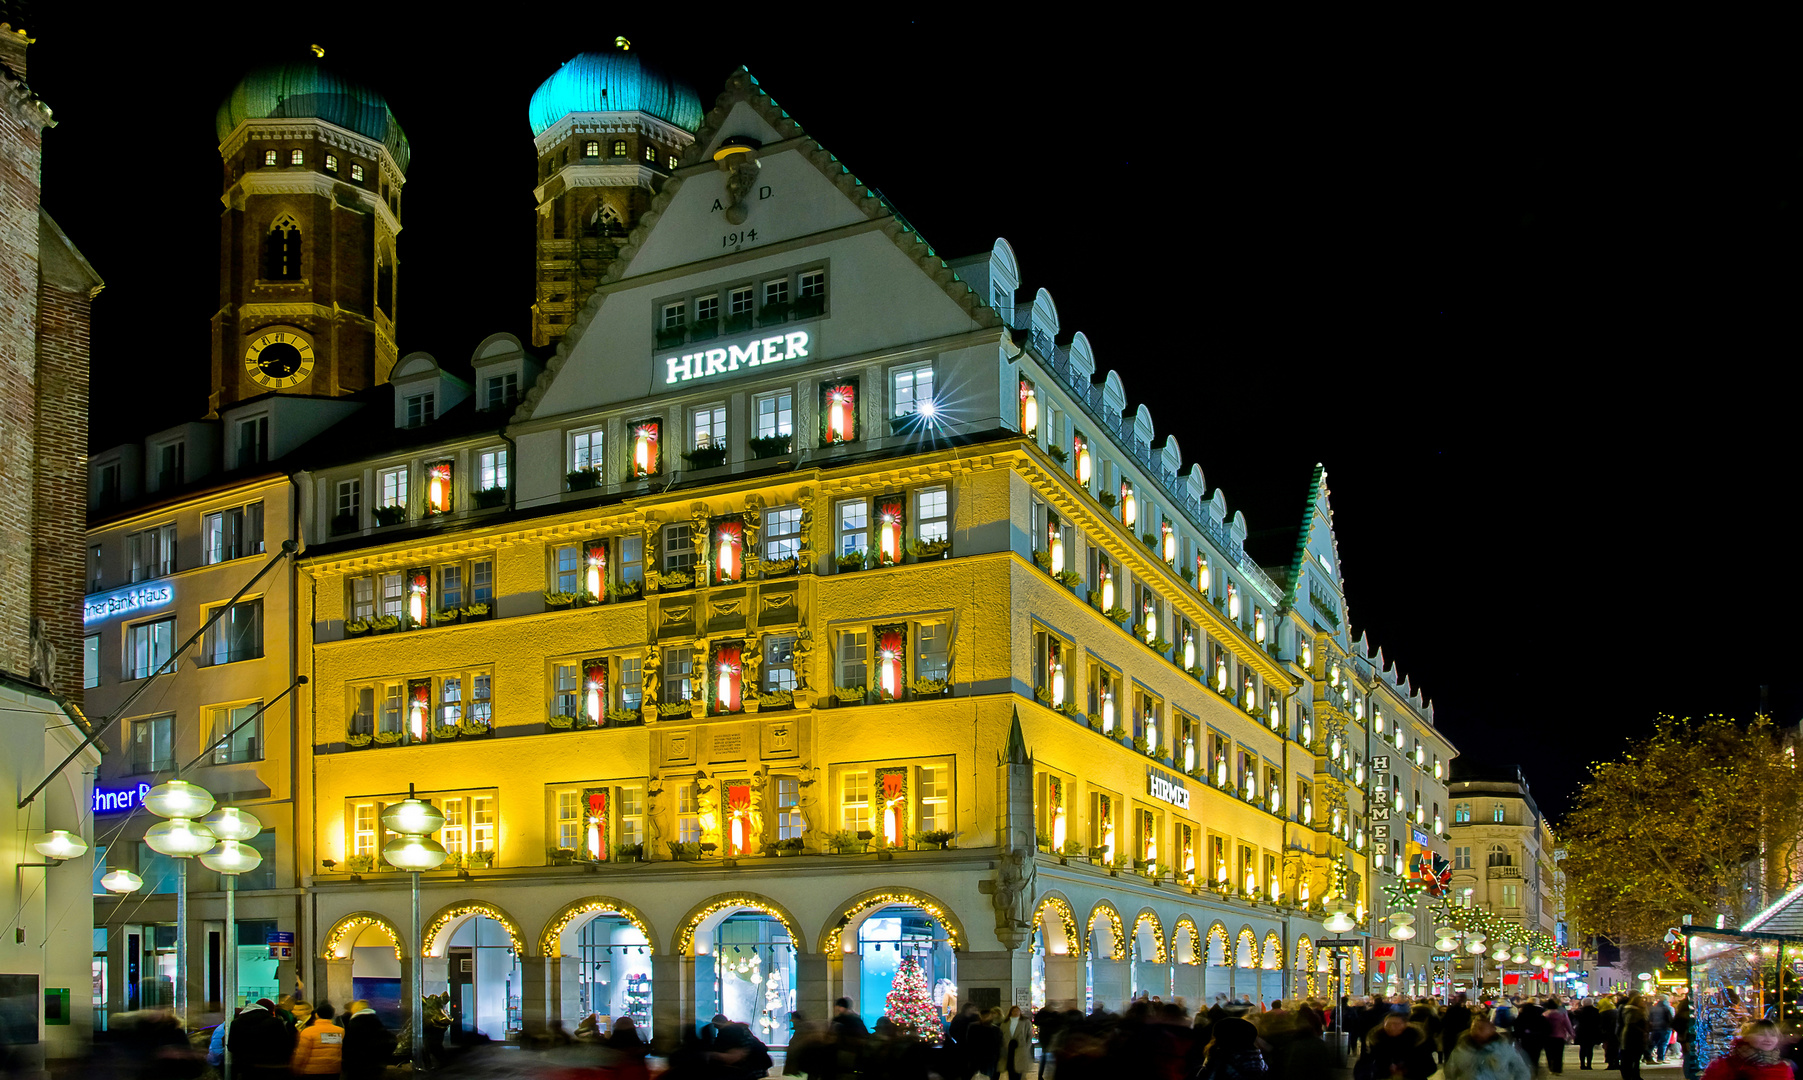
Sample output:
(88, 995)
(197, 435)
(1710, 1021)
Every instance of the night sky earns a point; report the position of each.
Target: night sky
(1530, 305)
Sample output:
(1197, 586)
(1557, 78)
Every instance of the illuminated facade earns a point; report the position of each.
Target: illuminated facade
(1503, 861)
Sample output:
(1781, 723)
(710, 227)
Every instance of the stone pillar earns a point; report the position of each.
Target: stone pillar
(1215, 980)
(569, 992)
(1151, 979)
(337, 982)
(672, 993)
(536, 972)
(1110, 982)
(1186, 983)
(981, 974)
(1064, 981)
(851, 978)
(438, 974)
(816, 978)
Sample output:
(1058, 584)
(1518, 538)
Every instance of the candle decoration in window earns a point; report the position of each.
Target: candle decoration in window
(1308, 730)
(1233, 601)
(1105, 806)
(1276, 798)
(419, 708)
(889, 531)
(1308, 655)
(1129, 505)
(1358, 773)
(740, 833)
(1272, 714)
(1221, 871)
(1359, 840)
(1251, 881)
(727, 672)
(1335, 819)
(1149, 620)
(1258, 624)
(1220, 674)
(892, 786)
(1029, 409)
(646, 435)
(1249, 695)
(1056, 661)
(1108, 712)
(1420, 756)
(1055, 541)
(1083, 461)
(438, 487)
(594, 690)
(1202, 573)
(594, 820)
(1220, 770)
(1308, 810)
(1189, 854)
(419, 595)
(1150, 832)
(594, 557)
(1377, 858)
(838, 412)
(1189, 650)
(1189, 753)
(1152, 730)
(1107, 590)
(1249, 787)
(1438, 770)
(1055, 794)
(1170, 543)
(1397, 803)
(729, 551)
(1333, 676)
(891, 656)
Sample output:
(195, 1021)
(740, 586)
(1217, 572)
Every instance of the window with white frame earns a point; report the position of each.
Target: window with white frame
(377, 594)
(349, 504)
(421, 409)
(566, 693)
(357, 173)
(674, 316)
(152, 750)
(739, 301)
(707, 308)
(566, 569)
(854, 801)
(148, 646)
(932, 651)
(931, 514)
(688, 815)
(455, 834)
(152, 552)
(779, 663)
(632, 682)
(632, 815)
(331, 163)
(363, 829)
(853, 659)
(853, 525)
(935, 798)
(811, 283)
(501, 390)
(237, 634)
(775, 414)
(910, 389)
(776, 292)
(392, 485)
(782, 533)
(632, 559)
(789, 822)
(90, 661)
(585, 450)
(236, 736)
(570, 825)
(231, 534)
(679, 549)
(709, 426)
(491, 469)
(482, 822)
(678, 677)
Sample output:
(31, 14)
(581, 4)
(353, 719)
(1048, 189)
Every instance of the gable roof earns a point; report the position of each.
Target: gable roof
(742, 88)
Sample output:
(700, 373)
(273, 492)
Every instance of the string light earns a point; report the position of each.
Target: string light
(1066, 918)
(751, 901)
(549, 941)
(1106, 909)
(954, 935)
(338, 942)
(463, 911)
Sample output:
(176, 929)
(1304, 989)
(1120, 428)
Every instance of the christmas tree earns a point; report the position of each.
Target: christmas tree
(909, 1005)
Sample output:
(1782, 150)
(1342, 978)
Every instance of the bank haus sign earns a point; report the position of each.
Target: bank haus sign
(126, 601)
(712, 362)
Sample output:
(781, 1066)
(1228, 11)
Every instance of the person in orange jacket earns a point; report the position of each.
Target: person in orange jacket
(319, 1051)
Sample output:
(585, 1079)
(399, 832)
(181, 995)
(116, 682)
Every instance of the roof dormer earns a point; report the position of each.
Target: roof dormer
(504, 371)
(423, 391)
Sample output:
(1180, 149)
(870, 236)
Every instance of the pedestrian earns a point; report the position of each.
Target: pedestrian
(368, 1044)
(1608, 1019)
(1558, 1033)
(983, 1044)
(1686, 1030)
(260, 1042)
(1633, 1037)
(1233, 1052)
(1017, 1046)
(1484, 1053)
(319, 1047)
(1659, 1017)
(624, 1051)
(1530, 1031)
(1395, 1048)
(1453, 1023)
(1754, 1055)
(1045, 1024)
(1587, 1030)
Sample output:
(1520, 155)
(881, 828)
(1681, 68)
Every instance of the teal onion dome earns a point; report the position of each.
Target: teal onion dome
(618, 81)
(310, 90)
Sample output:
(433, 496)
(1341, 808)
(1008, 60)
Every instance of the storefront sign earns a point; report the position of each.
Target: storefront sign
(126, 601)
(1420, 837)
(281, 944)
(106, 802)
(1167, 789)
(759, 351)
(1383, 952)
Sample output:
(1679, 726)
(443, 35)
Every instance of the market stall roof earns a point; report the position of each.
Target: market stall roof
(1785, 916)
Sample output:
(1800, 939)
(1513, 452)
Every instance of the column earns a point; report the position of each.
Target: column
(1064, 981)
(817, 976)
(672, 993)
(536, 1011)
(851, 978)
(989, 978)
(567, 982)
(337, 976)
(1152, 979)
(1186, 983)
(1110, 982)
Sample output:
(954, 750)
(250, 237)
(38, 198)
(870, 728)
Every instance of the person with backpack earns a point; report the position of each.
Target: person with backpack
(1233, 1052)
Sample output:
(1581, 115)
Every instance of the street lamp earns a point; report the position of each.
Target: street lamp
(181, 838)
(122, 882)
(234, 856)
(415, 851)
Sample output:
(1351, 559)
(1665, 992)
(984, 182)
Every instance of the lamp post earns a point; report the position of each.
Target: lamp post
(415, 851)
(234, 856)
(181, 838)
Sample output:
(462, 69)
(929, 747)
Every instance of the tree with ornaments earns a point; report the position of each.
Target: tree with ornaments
(909, 1005)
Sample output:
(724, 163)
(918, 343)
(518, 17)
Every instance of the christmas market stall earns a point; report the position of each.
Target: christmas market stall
(1739, 975)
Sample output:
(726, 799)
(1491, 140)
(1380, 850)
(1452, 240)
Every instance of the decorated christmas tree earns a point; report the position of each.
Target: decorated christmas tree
(909, 1006)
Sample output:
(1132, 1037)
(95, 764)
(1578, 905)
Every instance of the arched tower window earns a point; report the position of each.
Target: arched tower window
(282, 250)
(608, 223)
(385, 283)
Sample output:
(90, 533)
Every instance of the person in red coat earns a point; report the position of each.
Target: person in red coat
(1754, 1055)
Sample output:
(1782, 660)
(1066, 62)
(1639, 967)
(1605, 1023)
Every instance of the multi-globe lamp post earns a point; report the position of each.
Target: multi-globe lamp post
(413, 850)
(180, 837)
(235, 829)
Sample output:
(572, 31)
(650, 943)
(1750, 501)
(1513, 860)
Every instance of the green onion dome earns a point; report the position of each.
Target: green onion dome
(618, 81)
(307, 89)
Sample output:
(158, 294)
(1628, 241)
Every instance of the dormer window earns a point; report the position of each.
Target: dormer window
(331, 163)
(357, 173)
(420, 409)
(591, 149)
(500, 390)
(297, 157)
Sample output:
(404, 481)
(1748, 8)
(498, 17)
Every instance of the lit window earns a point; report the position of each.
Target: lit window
(782, 533)
(854, 527)
(363, 830)
(619, 148)
(779, 663)
(90, 661)
(147, 647)
(591, 148)
(854, 802)
(632, 815)
(854, 652)
(568, 571)
(269, 157)
(679, 676)
(237, 634)
(679, 549)
(710, 426)
(933, 651)
(231, 534)
(911, 389)
(331, 163)
(296, 157)
(566, 684)
(357, 173)
(775, 414)
(632, 682)
(151, 748)
(152, 553)
(393, 484)
(651, 153)
(420, 409)
(350, 505)
(688, 820)
(632, 559)
(501, 390)
(1496, 812)
(672, 161)
(569, 819)
(491, 469)
(585, 450)
(1461, 812)
(930, 512)
(935, 803)
(1461, 858)
(1511, 895)
(455, 834)
(789, 822)
(232, 742)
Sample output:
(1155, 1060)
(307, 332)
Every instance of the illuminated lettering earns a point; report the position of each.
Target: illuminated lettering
(773, 349)
(712, 362)
(127, 600)
(1165, 789)
(796, 345)
(716, 362)
(747, 356)
(106, 802)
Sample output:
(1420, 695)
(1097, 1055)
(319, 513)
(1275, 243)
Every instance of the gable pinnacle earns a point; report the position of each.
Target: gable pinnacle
(1016, 753)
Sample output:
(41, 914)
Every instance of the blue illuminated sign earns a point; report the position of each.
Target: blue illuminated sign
(126, 601)
(106, 802)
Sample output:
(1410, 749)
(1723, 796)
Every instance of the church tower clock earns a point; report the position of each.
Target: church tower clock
(314, 166)
(609, 129)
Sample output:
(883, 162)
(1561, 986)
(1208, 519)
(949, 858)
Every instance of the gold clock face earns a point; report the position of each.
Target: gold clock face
(279, 360)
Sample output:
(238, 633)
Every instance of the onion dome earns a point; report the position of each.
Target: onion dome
(617, 81)
(306, 89)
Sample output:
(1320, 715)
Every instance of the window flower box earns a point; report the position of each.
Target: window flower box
(705, 330)
(560, 856)
(736, 324)
(779, 567)
(344, 523)
(558, 601)
(360, 864)
(807, 307)
(773, 314)
(619, 718)
(939, 839)
(923, 550)
(476, 612)
(475, 727)
(930, 688)
(1070, 579)
(787, 848)
(683, 851)
(1118, 615)
(583, 479)
(847, 842)
(356, 740)
(489, 498)
(445, 732)
(389, 515)
(356, 627)
(769, 446)
(479, 860)
(675, 708)
(630, 853)
(1059, 454)
(384, 624)
(705, 457)
(1108, 499)
(624, 594)
(671, 337)
(776, 699)
(850, 695)
(388, 738)
(561, 722)
(448, 617)
(852, 561)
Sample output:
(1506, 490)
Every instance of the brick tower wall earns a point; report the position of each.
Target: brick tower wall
(60, 483)
(21, 158)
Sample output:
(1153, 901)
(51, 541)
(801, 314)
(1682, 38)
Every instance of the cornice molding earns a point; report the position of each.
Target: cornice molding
(290, 129)
(610, 123)
(24, 105)
(256, 182)
(624, 174)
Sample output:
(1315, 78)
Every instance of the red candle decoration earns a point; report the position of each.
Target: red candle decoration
(841, 407)
(596, 558)
(738, 826)
(644, 448)
(595, 817)
(419, 587)
(889, 655)
(727, 671)
(419, 707)
(594, 686)
(888, 533)
(438, 487)
(729, 551)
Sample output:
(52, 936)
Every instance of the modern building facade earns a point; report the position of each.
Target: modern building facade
(1503, 860)
(818, 604)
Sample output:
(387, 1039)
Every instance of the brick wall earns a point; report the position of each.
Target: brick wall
(21, 155)
(60, 491)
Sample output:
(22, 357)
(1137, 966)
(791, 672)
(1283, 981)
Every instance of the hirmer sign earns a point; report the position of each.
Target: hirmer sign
(1165, 789)
(711, 362)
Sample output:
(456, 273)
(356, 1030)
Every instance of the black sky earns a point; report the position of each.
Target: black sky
(1532, 299)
